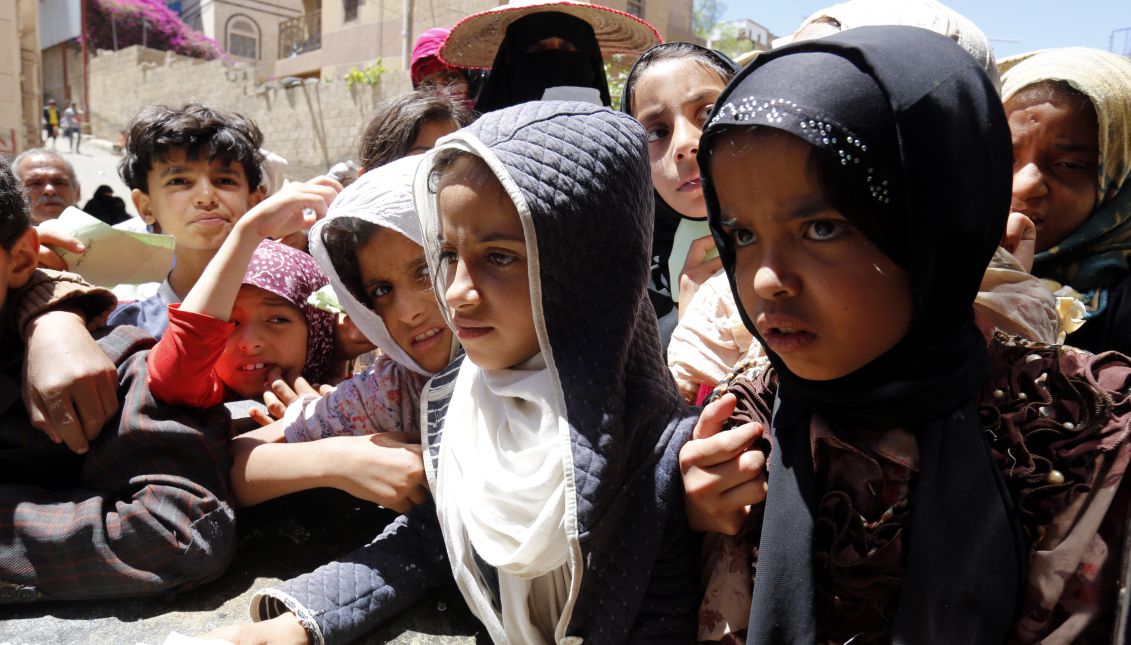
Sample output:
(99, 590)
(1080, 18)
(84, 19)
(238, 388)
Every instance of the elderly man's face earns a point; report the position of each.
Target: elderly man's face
(49, 187)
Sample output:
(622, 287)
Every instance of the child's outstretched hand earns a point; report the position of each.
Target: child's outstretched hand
(294, 208)
(722, 475)
(281, 394)
(385, 467)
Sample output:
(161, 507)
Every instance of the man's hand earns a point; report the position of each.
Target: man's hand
(386, 468)
(281, 394)
(722, 475)
(700, 264)
(70, 386)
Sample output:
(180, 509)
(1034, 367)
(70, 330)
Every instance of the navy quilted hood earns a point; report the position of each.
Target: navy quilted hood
(579, 175)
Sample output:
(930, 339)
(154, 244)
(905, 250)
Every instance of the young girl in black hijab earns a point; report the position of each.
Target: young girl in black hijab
(930, 481)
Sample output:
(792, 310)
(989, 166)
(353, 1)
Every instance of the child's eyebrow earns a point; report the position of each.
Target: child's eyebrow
(802, 208)
(501, 237)
(693, 98)
(173, 170)
(277, 301)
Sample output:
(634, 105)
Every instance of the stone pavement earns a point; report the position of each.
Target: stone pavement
(278, 540)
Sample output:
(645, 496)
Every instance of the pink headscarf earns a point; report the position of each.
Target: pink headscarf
(293, 276)
(425, 54)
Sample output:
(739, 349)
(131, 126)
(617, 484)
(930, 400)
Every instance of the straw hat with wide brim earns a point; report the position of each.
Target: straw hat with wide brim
(475, 40)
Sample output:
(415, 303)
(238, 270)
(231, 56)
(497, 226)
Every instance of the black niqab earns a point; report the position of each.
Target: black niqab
(518, 76)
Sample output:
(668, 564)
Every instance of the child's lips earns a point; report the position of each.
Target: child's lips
(254, 367)
(467, 330)
(210, 220)
(691, 184)
(428, 338)
(784, 333)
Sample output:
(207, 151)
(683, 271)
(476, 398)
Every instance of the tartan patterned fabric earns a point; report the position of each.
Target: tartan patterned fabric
(145, 511)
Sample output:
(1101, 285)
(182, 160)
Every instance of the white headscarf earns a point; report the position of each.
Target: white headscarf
(501, 487)
(926, 14)
(382, 196)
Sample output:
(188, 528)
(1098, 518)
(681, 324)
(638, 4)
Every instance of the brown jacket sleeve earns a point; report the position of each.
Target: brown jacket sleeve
(49, 289)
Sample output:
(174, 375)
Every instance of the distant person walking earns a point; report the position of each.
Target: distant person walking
(50, 122)
(72, 126)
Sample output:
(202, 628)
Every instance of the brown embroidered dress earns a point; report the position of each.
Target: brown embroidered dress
(1056, 420)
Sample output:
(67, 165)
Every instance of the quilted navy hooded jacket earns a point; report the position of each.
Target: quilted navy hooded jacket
(578, 174)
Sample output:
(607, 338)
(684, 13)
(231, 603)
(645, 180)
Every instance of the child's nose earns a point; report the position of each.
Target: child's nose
(204, 194)
(774, 280)
(409, 307)
(461, 291)
(685, 139)
(248, 339)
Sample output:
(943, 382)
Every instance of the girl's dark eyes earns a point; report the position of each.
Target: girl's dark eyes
(824, 229)
(176, 181)
(279, 320)
(501, 259)
(447, 256)
(657, 133)
(378, 291)
(704, 112)
(743, 237)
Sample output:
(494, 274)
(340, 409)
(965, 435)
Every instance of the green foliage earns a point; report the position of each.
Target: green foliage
(616, 71)
(705, 14)
(368, 75)
(730, 43)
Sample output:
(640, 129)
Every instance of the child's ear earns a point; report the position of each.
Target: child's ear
(256, 196)
(23, 258)
(141, 203)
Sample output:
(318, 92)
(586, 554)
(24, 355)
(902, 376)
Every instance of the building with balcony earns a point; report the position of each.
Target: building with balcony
(336, 35)
(248, 30)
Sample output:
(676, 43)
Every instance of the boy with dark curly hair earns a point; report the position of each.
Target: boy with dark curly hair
(193, 172)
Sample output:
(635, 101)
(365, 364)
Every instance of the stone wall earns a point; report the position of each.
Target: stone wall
(313, 124)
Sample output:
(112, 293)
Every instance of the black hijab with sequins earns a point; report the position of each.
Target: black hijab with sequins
(917, 128)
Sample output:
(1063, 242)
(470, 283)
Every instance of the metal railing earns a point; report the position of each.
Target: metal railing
(300, 34)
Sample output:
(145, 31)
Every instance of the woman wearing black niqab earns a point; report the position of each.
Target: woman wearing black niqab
(524, 68)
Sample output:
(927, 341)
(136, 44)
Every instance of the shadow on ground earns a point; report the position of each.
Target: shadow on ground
(277, 541)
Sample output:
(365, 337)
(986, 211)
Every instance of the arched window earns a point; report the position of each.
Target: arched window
(243, 37)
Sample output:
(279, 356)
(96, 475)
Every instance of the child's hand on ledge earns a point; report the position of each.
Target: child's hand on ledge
(723, 476)
(281, 630)
(294, 208)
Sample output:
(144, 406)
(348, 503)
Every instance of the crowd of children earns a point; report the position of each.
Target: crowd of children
(893, 271)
